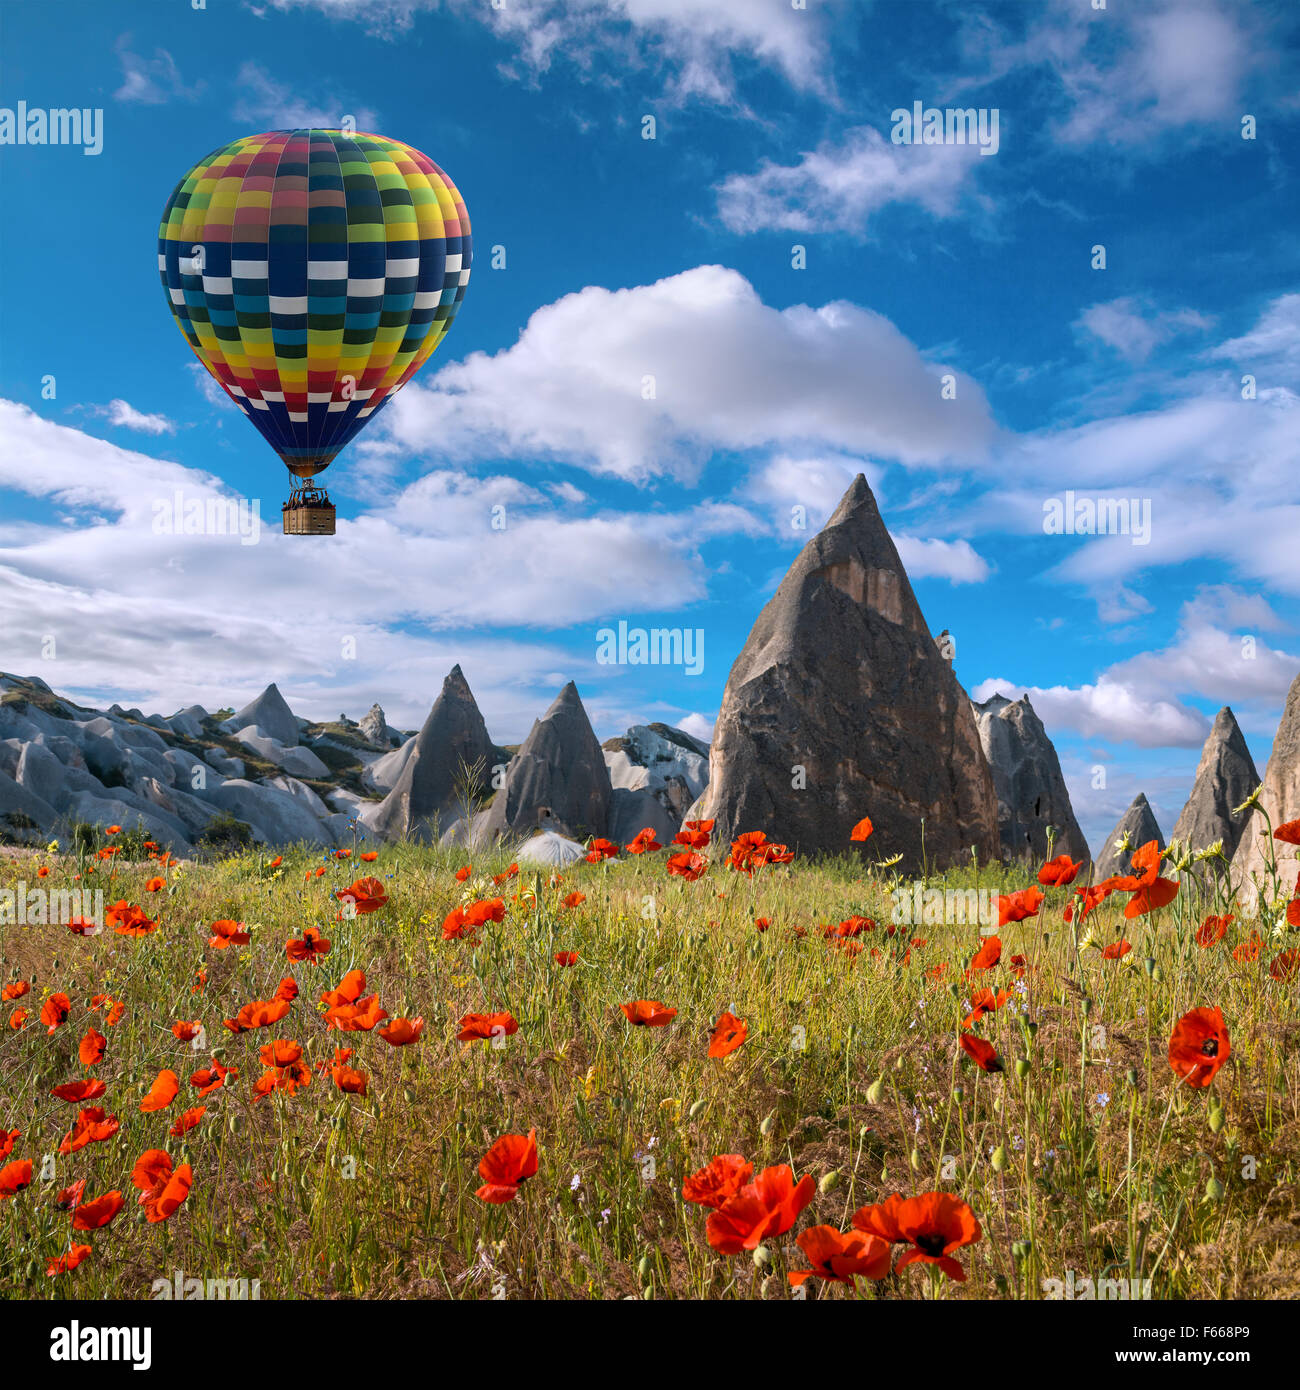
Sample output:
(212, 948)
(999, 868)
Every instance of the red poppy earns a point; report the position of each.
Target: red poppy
(935, 1224)
(729, 1034)
(161, 1094)
(350, 988)
(360, 1017)
(718, 1180)
(307, 948)
(574, 900)
(71, 1196)
(8, 1137)
(284, 1052)
(984, 1001)
(1286, 965)
(644, 842)
(92, 1126)
(566, 958)
(365, 896)
(688, 866)
(1213, 930)
(506, 875)
(77, 1091)
(15, 990)
(762, 923)
(15, 1176)
(261, 1013)
(862, 830)
(227, 933)
(1249, 949)
(91, 1216)
(91, 1050)
(1288, 832)
(764, 1208)
(212, 1078)
(187, 1120)
(187, 1029)
(162, 1191)
(475, 1026)
(127, 919)
(18, 1019)
(401, 1032)
(464, 872)
(988, 955)
(349, 1080)
(839, 1256)
(1199, 1046)
(981, 1052)
(61, 1264)
(648, 1012)
(55, 1010)
(1015, 907)
(1160, 892)
(511, 1161)
(599, 849)
(155, 885)
(1116, 950)
(692, 839)
(1058, 872)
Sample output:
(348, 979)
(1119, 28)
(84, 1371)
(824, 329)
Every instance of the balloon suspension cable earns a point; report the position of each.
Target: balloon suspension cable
(309, 511)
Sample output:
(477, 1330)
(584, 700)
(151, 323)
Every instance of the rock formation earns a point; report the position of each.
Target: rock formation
(1225, 777)
(1139, 824)
(432, 788)
(656, 772)
(374, 726)
(840, 706)
(271, 714)
(1281, 799)
(558, 775)
(1027, 780)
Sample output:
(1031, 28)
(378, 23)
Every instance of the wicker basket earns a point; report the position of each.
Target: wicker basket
(308, 518)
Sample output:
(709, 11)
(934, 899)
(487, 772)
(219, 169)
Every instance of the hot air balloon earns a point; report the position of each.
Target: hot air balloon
(313, 272)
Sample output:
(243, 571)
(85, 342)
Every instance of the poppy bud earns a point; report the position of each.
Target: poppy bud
(1213, 1190)
(1020, 1250)
(762, 1256)
(999, 1159)
(830, 1181)
(1149, 965)
(766, 1127)
(1087, 1006)
(648, 1292)
(695, 1109)
(1022, 1067)
(1158, 975)
(876, 1090)
(915, 1159)
(1131, 1076)
(1216, 1120)
(958, 1092)
(643, 1266)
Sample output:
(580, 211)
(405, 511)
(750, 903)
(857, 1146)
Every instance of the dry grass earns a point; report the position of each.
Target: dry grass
(323, 1194)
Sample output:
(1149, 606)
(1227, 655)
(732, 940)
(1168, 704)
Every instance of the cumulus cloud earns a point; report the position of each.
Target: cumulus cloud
(698, 726)
(122, 413)
(1134, 329)
(842, 184)
(651, 380)
(697, 40)
(268, 104)
(151, 81)
(142, 612)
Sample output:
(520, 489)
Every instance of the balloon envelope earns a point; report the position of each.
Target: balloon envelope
(313, 272)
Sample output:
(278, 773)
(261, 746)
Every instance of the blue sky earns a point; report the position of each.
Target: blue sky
(627, 257)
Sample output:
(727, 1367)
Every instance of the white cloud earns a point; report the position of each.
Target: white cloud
(1274, 341)
(726, 372)
(1218, 654)
(840, 186)
(151, 81)
(698, 726)
(1128, 74)
(698, 39)
(122, 413)
(1134, 329)
(419, 581)
(933, 558)
(271, 105)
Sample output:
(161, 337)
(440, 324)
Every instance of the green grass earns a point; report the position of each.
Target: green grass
(851, 1073)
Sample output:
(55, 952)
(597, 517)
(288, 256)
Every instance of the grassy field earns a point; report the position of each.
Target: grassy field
(1086, 1153)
